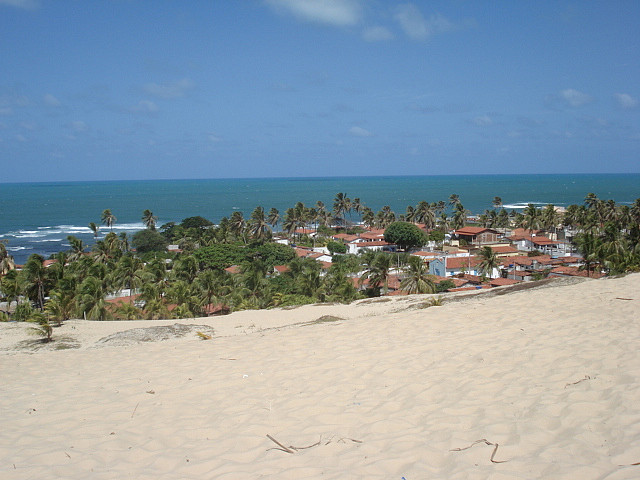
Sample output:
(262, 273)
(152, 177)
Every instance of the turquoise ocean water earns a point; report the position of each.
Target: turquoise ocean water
(38, 217)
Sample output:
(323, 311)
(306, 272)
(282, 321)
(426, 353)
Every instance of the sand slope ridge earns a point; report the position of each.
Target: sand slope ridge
(541, 383)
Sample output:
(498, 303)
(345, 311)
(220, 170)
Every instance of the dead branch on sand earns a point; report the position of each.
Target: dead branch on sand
(483, 440)
(291, 449)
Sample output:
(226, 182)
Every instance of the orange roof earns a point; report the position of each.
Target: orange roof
(233, 269)
(459, 262)
(372, 235)
(121, 300)
(281, 268)
(473, 230)
(504, 249)
(498, 282)
(426, 254)
(373, 243)
(524, 232)
(576, 272)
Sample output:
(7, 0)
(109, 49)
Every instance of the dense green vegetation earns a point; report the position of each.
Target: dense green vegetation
(192, 280)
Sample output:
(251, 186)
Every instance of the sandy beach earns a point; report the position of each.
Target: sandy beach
(538, 383)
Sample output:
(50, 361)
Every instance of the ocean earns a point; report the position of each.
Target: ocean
(38, 217)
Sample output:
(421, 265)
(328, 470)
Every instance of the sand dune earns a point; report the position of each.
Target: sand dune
(377, 389)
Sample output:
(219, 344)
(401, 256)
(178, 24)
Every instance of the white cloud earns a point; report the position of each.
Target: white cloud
(26, 4)
(144, 106)
(377, 34)
(213, 138)
(51, 101)
(416, 26)
(483, 121)
(339, 13)
(626, 101)
(360, 132)
(574, 98)
(170, 90)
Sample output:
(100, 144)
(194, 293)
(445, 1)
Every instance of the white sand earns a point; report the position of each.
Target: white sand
(552, 375)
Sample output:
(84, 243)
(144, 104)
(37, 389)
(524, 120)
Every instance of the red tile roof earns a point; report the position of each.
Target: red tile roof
(503, 249)
(373, 243)
(455, 263)
(473, 230)
(498, 282)
(575, 272)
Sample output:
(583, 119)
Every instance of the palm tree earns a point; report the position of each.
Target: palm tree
(124, 242)
(238, 225)
(497, 202)
(77, 248)
(186, 268)
(378, 271)
(387, 217)
(531, 217)
(459, 219)
(61, 306)
(91, 299)
(589, 245)
(368, 217)
(489, 261)
(209, 287)
(410, 214)
(6, 260)
(341, 205)
(454, 199)
(258, 226)
(34, 275)
(128, 273)
(108, 218)
(417, 278)
(274, 217)
(94, 228)
(357, 205)
(149, 219)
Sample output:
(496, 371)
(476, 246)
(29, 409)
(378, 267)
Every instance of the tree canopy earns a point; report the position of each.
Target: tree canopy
(405, 235)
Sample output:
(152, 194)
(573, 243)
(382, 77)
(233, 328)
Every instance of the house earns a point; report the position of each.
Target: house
(565, 271)
(504, 250)
(477, 235)
(450, 266)
(500, 282)
(529, 243)
(376, 245)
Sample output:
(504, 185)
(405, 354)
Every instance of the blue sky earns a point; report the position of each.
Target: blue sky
(128, 89)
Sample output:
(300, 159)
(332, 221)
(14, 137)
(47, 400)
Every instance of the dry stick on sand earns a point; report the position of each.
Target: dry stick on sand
(290, 448)
(134, 410)
(493, 454)
(586, 377)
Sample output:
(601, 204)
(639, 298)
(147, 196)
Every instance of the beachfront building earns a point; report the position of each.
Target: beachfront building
(360, 245)
(445, 266)
(540, 243)
(478, 236)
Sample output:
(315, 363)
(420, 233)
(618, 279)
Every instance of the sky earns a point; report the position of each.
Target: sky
(156, 89)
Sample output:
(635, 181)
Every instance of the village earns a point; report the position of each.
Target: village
(522, 255)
